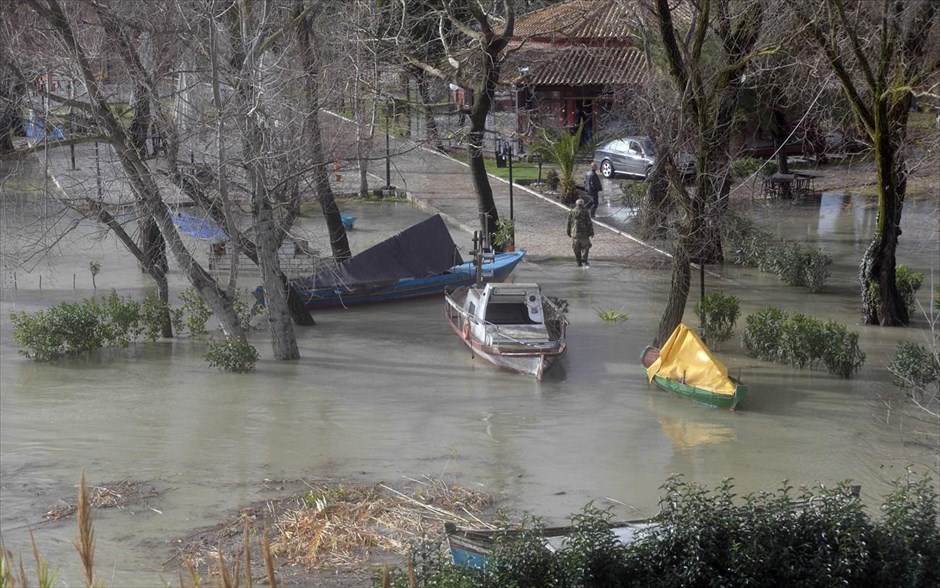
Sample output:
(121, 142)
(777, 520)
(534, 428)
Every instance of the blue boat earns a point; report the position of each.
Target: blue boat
(420, 261)
(473, 548)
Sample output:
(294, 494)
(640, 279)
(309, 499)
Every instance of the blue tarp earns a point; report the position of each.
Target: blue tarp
(200, 228)
(37, 131)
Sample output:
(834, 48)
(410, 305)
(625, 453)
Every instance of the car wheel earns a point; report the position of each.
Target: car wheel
(646, 173)
(607, 169)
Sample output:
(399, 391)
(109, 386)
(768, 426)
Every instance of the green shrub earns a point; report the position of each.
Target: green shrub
(632, 194)
(612, 315)
(763, 332)
(803, 341)
(36, 337)
(120, 320)
(914, 366)
(717, 314)
(842, 355)
(152, 311)
(195, 312)
(908, 282)
(817, 267)
(232, 354)
(811, 537)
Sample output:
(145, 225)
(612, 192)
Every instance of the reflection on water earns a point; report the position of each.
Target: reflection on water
(389, 391)
(686, 434)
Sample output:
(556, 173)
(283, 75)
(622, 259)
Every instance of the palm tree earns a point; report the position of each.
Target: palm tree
(562, 148)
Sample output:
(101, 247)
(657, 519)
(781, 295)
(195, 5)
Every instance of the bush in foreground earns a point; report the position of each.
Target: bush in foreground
(712, 538)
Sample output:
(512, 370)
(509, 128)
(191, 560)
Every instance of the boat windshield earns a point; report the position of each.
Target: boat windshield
(509, 313)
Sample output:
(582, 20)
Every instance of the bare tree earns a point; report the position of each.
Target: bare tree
(474, 42)
(140, 177)
(305, 14)
(881, 55)
(706, 59)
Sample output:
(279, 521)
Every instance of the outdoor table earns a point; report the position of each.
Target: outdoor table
(800, 184)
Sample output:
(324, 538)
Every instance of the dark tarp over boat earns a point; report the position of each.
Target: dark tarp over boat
(424, 249)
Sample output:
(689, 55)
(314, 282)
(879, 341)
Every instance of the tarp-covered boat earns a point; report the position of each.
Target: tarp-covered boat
(686, 367)
(421, 260)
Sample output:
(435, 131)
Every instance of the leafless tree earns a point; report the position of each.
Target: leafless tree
(473, 37)
(706, 51)
(306, 13)
(882, 54)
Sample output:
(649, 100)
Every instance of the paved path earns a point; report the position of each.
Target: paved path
(433, 181)
(442, 184)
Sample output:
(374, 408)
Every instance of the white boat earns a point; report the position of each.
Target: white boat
(513, 326)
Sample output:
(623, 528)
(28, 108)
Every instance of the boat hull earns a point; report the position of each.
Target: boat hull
(473, 548)
(460, 275)
(699, 396)
(529, 358)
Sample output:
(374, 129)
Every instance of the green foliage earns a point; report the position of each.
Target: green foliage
(800, 265)
(908, 282)
(244, 312)
(505, 232)
(842, 355)
(914, 366)
(632, 194)
(152, 312)
(552, 179)
(717, 314)
(745, 167)
(66, 328)
(72, 327)
(612, 315)
(802, 341)
(562, 148)
(232, 354)
(763, 331)
(807, 537)
(794, 263)
(195, 312)
(120, 320)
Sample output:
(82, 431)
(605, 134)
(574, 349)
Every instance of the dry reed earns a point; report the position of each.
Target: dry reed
(344, 526)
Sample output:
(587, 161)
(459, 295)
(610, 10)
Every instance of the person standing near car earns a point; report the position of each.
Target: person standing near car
(592, 185)
(580, 229)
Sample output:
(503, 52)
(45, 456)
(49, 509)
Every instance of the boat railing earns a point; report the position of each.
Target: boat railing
(496, 333)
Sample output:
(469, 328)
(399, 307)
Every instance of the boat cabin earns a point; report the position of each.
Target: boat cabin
(515, 310)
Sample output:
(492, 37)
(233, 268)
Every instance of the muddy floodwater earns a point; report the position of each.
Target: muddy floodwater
(388, 392)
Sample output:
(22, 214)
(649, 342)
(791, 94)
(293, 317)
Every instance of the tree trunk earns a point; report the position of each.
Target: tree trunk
(678, 295)
(310, 58)
(655, 210)
(424, 92)
(881, 302)
(189, 185)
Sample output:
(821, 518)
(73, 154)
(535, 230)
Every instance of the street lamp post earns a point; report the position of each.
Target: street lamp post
(512, 228)
(388, 164)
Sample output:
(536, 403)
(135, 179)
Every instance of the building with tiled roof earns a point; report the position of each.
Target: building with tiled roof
(566, 59)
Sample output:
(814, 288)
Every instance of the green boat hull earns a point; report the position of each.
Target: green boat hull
(703, 397)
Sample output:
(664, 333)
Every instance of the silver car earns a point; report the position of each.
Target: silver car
(635, 156)
(632, 156)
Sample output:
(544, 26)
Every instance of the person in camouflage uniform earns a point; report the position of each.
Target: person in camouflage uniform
(580, 229)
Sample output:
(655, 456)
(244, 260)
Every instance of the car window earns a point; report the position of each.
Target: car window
(616, 146)
(648, 148)
(634, 148)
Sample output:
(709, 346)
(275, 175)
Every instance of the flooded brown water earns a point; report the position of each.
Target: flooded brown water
(388, 392)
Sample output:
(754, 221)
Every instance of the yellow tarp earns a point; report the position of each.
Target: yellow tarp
(685, 358)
